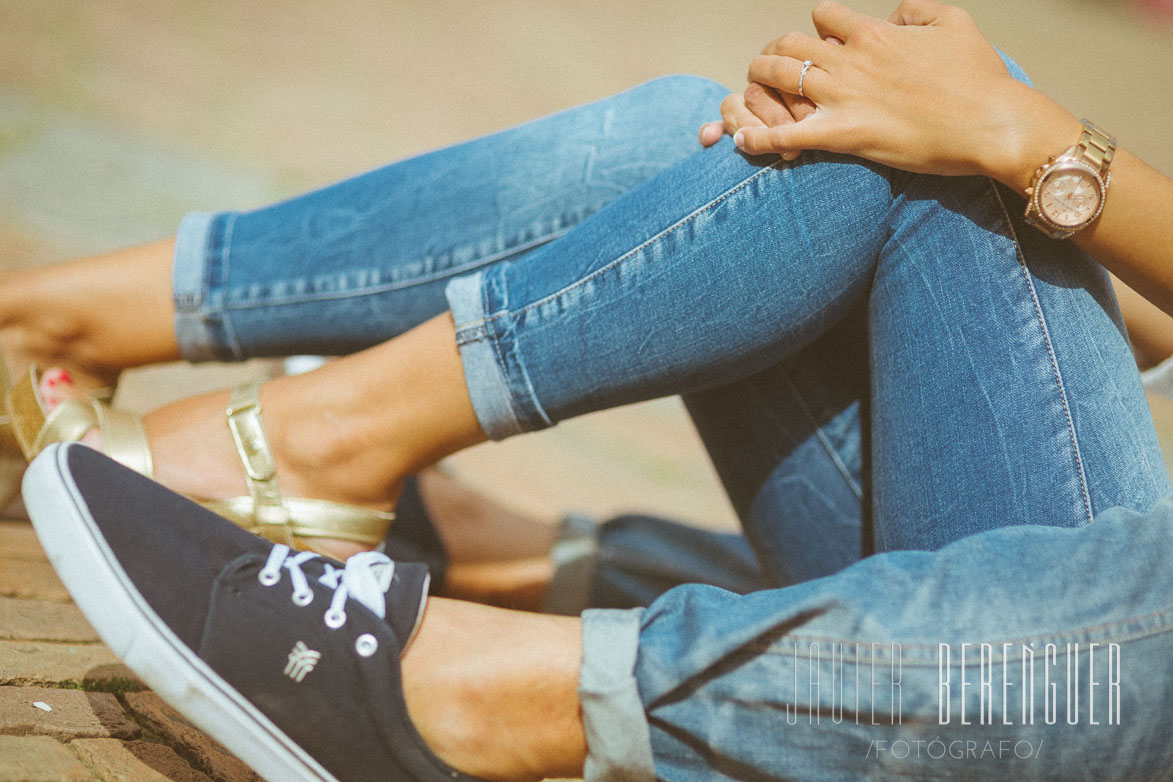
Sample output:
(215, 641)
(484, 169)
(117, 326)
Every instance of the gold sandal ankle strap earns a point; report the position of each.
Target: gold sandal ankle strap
(123, 437)
(244, 421)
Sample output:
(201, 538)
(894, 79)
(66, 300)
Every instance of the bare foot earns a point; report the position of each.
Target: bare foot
(95, 316)
(194, 454)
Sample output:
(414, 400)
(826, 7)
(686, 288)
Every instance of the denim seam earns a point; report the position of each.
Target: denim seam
(230, 340)
(646, 243)
(1165, 617)
(451, 271)
(1046, 334)
(831, 452)
(494, 340)
(503, 367)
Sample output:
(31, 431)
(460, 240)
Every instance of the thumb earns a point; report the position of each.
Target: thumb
(782, 139)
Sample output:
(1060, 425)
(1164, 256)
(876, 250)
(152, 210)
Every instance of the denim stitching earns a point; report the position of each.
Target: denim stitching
(229, 333)
(831, 452)
(502, 369)
(647, 243)
(1046, 332)
(520, 422)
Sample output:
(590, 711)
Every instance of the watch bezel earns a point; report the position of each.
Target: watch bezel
(1055, 169)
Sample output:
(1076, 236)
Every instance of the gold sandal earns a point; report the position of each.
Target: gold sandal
(293, 521)
(27, 426)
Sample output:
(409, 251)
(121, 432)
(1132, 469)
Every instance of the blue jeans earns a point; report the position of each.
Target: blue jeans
(878, 362)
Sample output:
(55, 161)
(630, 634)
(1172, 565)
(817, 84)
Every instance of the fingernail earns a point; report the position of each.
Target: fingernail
(739, 139)
(790, 156)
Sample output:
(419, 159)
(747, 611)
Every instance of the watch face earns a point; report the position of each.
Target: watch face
(1070, 196)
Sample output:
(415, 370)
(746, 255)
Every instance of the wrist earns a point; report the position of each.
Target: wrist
(1034, 130)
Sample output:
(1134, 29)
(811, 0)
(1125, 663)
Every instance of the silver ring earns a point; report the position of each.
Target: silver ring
(806, 64)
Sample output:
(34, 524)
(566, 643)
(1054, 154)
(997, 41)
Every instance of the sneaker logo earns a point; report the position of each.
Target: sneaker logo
(302, 661)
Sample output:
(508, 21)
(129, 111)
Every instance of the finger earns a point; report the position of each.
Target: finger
(735, 115)
(918, 12)
(784, 139)
(767, 105)
(783, 73)
(710, 133)
(836, 19)
(800, 108)
(801, 47)
(771, 107)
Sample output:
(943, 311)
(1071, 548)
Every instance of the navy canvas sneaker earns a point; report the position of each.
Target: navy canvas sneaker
(289, 659)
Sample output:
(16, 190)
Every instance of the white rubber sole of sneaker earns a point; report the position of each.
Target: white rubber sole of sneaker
(135, 633)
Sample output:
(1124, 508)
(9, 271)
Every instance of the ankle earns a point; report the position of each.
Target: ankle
(365, 422)
(326, 447)
(194, 454)
(462, 676)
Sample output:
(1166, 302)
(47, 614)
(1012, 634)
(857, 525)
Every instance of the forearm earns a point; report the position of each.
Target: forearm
(1150, 330)
(1134, 236)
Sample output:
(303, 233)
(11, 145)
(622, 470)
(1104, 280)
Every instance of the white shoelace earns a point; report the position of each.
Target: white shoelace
(366, 578)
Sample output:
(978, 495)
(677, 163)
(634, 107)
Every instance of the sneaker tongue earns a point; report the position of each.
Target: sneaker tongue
(366, 577)
(383, 572)
(392, 591)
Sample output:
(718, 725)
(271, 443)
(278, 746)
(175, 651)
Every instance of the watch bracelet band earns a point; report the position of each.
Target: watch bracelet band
(1095, 147)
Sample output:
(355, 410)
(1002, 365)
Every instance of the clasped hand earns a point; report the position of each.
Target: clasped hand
(923, 91)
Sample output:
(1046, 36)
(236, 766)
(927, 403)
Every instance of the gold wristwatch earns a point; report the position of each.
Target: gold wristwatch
(1067, 193)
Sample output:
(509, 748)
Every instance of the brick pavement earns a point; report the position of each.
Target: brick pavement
(68, 709)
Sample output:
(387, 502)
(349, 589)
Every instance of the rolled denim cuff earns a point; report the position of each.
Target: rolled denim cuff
(197, 339)
(488, 387)
(619, 743)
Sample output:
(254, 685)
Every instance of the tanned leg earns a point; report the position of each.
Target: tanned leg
(496, 555)
(350, 431)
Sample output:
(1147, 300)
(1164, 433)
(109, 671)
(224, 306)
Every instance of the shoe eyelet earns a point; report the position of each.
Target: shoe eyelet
(335, 619)
(366, 645)
(269, 577)
(303, 598)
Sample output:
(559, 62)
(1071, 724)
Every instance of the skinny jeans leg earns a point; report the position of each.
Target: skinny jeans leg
(358, 262)
(790, 446)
